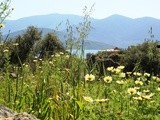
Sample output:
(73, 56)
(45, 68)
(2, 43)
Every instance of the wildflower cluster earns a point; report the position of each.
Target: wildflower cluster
(108, 79)
(57, 86)
(91, 100)
(89, 77)
(2, 26)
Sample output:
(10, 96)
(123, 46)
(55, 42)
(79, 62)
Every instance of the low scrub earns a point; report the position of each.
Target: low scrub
(63, 88)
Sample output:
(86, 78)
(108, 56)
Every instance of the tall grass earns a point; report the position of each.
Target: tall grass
(58, 89)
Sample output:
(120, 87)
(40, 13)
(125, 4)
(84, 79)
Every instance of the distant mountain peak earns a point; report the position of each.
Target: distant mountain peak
(116, 30)
(148, 18)
(117, 16)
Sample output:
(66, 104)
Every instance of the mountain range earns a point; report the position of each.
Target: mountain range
(115, 30)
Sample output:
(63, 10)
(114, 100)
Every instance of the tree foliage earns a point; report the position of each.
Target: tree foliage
(25, 43)
(25, 47)
(48, 46)
(143, 57)
(104, 59)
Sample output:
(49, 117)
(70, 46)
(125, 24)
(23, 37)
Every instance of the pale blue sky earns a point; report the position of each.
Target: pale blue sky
(102, 9)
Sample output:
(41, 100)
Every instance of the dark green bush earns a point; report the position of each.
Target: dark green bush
(143, 57)
(48, 46)
(104, 59)
(25, 47)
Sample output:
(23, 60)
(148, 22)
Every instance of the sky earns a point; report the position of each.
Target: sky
(102, 8)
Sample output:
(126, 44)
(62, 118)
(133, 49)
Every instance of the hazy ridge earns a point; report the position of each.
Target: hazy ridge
(115, 30)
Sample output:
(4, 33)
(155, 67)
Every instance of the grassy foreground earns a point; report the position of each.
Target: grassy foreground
(62, 88)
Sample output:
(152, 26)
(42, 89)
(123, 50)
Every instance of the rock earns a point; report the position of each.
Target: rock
(24, 116)
(8, 114)
(5, 112)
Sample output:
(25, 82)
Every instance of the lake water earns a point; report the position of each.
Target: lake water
(85, 52)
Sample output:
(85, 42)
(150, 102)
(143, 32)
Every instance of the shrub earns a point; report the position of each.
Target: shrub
(25, 44)
(104, 59)
(143, 57)
(25, 47)
(48, 46)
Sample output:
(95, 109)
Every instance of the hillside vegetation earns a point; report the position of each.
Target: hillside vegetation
(40, 77)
